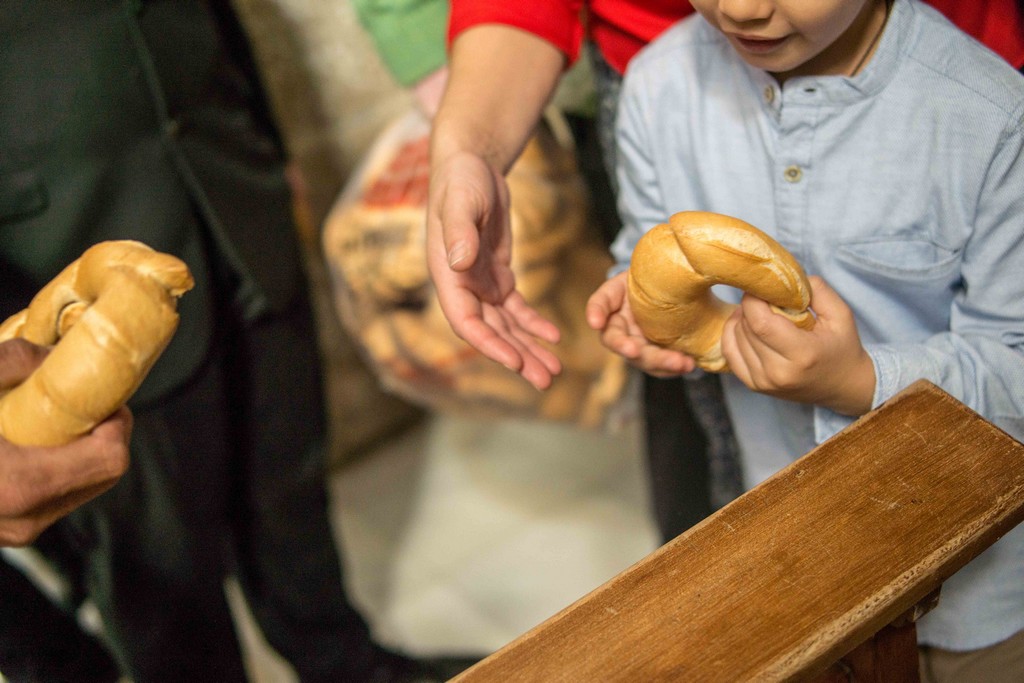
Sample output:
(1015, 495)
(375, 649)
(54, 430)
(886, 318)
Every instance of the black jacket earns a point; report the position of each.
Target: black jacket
(124, 119)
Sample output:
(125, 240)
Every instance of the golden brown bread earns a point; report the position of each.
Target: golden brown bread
(675, 265)
(110, 314)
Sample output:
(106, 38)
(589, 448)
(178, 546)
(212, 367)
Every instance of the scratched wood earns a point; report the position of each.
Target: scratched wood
(787, 579)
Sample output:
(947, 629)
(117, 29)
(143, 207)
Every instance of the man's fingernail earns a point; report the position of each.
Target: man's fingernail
(458, 253)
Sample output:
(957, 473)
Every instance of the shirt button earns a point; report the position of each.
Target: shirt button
(769, 94)
(793, 174)
(171, 128)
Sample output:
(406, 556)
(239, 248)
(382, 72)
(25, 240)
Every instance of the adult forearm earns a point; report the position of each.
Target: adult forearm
(500, 80)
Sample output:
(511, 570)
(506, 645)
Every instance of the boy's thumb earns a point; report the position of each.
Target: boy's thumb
(824, 300)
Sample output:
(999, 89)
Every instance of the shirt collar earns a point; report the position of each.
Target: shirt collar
(843, 90)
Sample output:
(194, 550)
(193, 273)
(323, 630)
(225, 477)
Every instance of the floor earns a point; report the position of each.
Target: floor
(462, 534)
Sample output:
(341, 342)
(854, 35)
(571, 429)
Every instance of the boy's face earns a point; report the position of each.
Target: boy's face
(798, 37)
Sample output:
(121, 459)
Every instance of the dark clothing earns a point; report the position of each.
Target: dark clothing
(127, 118)
(677, 466)
(49, 646)
(124, 119)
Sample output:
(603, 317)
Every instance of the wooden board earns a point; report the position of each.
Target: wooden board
(796, 573)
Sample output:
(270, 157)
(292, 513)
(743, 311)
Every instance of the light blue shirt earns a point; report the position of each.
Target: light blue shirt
(903, 187)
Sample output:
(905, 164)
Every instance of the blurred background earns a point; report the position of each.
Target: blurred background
(461, 528)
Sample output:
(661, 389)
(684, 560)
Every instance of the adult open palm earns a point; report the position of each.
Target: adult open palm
(469, 254)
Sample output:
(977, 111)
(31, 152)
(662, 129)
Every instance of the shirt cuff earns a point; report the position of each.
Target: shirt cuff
(828, 423)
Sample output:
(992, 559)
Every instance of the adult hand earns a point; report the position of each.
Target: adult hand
(609, 313)
(469, 254)
(39, 485)
(826, 366)
(499, 81)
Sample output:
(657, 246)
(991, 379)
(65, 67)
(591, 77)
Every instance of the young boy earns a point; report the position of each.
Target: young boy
(884, 149)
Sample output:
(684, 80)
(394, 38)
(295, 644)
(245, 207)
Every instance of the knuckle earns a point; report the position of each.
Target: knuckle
(14, 502)
(21, 353)
(19, 533)
(782, 378)
(118, 462)
(758, 321)
(17, 527)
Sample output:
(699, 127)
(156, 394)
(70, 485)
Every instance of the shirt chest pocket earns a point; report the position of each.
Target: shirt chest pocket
(22, 195)
(914, 263)
(905, 287)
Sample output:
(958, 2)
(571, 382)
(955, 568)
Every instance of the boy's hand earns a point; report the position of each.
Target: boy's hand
(825, 366)
(608, 312)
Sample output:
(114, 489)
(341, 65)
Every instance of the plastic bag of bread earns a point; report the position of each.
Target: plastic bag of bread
(374, 241)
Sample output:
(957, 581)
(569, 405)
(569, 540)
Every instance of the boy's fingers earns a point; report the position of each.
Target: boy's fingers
(596, 312)
(664, 362)
(617, 338)
(825, 301)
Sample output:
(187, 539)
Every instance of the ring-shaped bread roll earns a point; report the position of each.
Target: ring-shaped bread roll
(110, 314)
(675, 265)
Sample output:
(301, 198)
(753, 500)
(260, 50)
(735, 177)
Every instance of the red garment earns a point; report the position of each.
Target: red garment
(997, 23)
(621, 27)
(618, 27)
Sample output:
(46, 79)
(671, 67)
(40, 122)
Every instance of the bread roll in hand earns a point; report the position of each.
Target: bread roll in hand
(675, 265)
(111, 313)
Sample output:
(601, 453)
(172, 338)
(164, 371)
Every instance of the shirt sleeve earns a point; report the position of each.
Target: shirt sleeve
(980, 359)
(409, 35)
(557, 21)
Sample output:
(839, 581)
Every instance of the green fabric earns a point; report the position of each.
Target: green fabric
(409, 35)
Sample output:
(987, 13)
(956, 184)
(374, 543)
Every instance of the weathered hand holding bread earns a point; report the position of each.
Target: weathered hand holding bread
(675, 265)
(111, 313)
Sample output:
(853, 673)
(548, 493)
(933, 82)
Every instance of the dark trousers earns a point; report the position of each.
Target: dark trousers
(227, 476)
(41, 642)
(677, 466)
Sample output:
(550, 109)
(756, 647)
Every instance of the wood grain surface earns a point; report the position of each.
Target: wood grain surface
(799, 571)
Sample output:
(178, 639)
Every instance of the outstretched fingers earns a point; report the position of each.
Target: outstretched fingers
(526, 332)
(529, 320)
(511, 333)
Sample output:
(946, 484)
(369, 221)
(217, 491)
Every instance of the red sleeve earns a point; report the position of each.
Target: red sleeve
(557, 21)
(997, 23)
